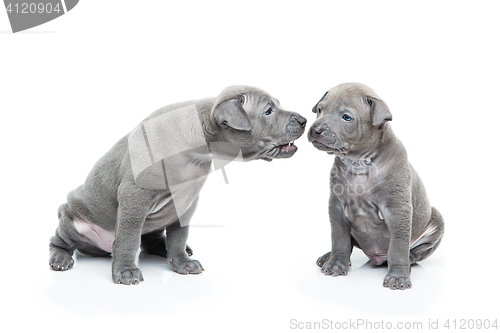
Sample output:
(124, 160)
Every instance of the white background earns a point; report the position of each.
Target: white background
(71, 88)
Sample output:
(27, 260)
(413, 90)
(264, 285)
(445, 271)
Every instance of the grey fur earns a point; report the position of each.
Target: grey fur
(377, 201)
(119, 208)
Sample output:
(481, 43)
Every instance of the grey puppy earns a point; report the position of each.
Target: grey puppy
(377, 201)
(144, 191)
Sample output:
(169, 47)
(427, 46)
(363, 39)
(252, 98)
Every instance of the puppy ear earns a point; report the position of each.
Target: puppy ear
(315, 108)
(232, 114)
(379, 111)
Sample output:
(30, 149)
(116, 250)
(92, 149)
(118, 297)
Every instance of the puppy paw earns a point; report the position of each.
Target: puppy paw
(324, 258)
(335, 267)
(127, 276)
(397, 281)
(60, 260)
(185, 265)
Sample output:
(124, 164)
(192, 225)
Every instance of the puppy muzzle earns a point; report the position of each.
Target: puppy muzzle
(320, 132)
(297, 124)
(322, 138)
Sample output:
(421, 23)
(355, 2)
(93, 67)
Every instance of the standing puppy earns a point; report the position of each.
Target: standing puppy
(148, 184)
(377, 200)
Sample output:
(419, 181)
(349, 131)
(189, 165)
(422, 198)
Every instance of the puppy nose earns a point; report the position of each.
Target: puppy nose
(316, 131)
(302, 121)
(299, 119)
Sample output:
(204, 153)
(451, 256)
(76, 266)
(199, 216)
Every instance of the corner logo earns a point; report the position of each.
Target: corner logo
(28, 14)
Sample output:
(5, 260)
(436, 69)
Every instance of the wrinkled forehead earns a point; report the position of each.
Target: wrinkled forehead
(253, 97)
(257, 101)
(337, 99)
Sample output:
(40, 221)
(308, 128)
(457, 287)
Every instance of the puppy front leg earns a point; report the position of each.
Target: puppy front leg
(337, 261)
(130, 220)
(176, 250)
(398, 256)
(177, 235)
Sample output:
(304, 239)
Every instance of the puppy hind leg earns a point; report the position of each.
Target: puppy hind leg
(154, 242)
(91, 250)
(425, 246)
(62, 244)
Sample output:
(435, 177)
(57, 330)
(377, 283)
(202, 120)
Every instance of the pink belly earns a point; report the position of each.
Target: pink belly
(95, 235)
(378, 258)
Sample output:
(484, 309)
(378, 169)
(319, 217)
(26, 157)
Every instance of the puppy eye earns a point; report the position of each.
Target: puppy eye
(268, 112)
(348, 118)
(241, 99)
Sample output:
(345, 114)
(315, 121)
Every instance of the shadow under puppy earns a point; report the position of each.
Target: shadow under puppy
(377, 200)
(144, 191)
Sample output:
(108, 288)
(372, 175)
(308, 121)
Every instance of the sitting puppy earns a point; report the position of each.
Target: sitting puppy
(377, 201)
(148, 184)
